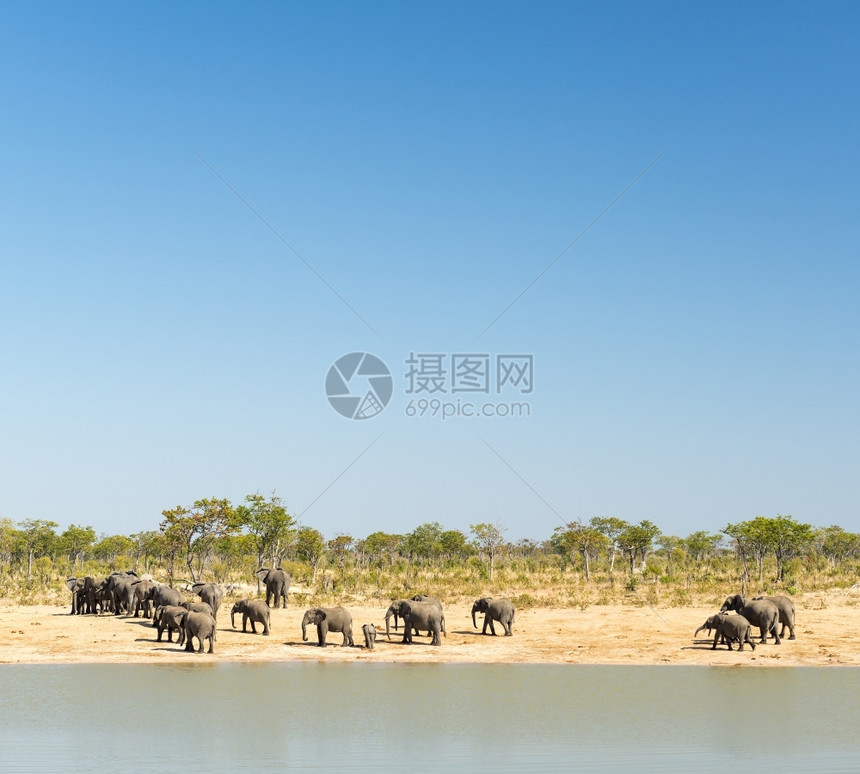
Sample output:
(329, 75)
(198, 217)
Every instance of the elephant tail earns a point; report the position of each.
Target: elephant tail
(444, 630)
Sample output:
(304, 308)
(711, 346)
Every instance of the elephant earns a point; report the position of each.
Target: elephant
(501, 610)
(201, 626)
(172, 618)
(786, 613)
(121, 587)
(277, 585)
(83, 595)
(210, 593)
(761, 613)
(143, 592)
(421, 616)
(369, 631)
(728, 628)
(165, 595)
(328, 619)
(394, 610)
(198, 607)
(253, 610)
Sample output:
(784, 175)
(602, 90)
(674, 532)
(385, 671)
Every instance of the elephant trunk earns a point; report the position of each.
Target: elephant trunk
(474, 625)
(233, 618)
(304, 631)
(387, 623)
(700, 629)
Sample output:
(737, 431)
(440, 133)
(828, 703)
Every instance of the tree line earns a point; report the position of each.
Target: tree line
(213, 533)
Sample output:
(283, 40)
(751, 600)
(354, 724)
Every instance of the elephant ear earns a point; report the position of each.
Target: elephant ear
(320, 615)
(262, 573)
(71, 583)
(195, 587)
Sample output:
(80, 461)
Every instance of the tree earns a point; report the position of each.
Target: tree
(425, 541)
(700, 545)
(197, 528)
(454, 544)
(788, 539)
(272, 528)
(380, 544)
(838, 545)
(636, 541)
(611, 527)
(578, 538)
(339, 547)
(110, 547)
(310, 546)
(75, 542)
(752, 538)
(671, 545)
(489, 538)
(39, 539)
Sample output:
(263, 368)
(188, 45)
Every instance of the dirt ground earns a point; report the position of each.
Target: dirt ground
(828, 633)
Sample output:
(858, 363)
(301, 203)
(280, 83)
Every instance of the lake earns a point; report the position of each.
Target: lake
(360, 718)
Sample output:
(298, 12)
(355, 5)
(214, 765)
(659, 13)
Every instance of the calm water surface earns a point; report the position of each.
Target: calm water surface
(363, 717)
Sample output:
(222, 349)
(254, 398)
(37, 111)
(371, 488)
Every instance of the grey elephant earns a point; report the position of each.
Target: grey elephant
(395, 607)
(83, 595)
(202, 626)
(728, 628)
(501, 610)
(761, 613)
(328, 619)
(253, 610)
(162, 596)
(369, 631)
(211, 593)
(143, 591)
(121, 588)
(277, 585)
(171, 618)
(786, 613)
(198, 607)
(421, 616)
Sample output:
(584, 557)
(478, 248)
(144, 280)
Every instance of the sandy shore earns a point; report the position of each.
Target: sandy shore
(828, 633)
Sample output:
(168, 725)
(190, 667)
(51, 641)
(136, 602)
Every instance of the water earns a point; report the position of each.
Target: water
(361, 718)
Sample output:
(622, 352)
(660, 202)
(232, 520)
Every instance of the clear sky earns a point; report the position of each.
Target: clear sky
(694, 353)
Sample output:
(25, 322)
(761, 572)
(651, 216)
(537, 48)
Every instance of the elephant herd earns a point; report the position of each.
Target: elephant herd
(126, 593)
(766, 613)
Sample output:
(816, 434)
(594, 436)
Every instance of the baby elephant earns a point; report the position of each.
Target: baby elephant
(369, 635)
(253, 610)
(729, 627)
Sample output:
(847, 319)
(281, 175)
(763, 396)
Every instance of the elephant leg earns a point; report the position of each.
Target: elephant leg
(492, 626)
(321, 634)
(507, 625)
(266, 626)
(253, 626)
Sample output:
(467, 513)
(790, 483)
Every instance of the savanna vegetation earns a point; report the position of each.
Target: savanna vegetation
(604, 560)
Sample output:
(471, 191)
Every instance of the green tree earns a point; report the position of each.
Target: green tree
(38, 538)
(578, 538)
(611, 527)
(270, 525)
(637, 540)
(310, 547)
(454, 544)
(75, 542)
(379, 545)
(197, 529)
(490, 539)
(837, 545)
(789, 538)
(700, 545)
(425, 541)
(109, 547)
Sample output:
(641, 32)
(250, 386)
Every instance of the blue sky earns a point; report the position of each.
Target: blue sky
(695, 352)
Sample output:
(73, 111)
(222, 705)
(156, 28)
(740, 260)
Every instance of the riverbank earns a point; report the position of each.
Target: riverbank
(828, 633)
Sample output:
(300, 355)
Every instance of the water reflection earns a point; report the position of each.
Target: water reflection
(220, 717)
